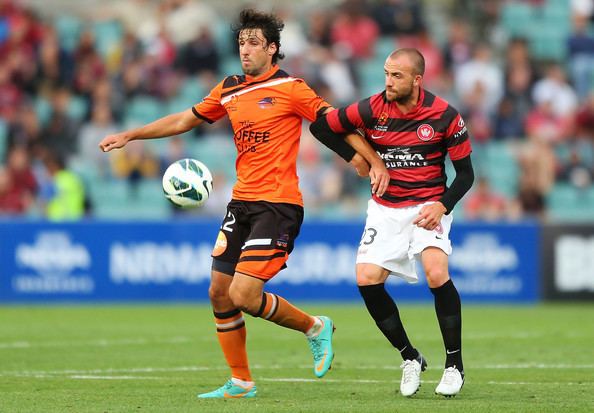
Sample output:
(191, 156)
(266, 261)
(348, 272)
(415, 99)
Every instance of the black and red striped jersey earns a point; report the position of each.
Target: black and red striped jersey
(412, 145)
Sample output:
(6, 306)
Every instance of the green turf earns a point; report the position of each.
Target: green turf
(156, 358)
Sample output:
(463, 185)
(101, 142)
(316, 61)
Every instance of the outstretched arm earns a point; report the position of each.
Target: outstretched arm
(170, 125)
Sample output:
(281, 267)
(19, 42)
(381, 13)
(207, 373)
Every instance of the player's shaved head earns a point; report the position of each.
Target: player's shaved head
(415, 57)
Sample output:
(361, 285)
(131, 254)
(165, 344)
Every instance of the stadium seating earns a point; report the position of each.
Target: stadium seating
(567, 203)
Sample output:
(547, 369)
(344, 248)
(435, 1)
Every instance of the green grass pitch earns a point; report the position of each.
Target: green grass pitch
(155, 358)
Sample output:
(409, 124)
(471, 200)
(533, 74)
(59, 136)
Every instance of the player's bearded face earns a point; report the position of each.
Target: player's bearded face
(399, 81)
(255, 52)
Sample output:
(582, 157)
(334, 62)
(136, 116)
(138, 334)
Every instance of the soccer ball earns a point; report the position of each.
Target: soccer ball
(187, 183)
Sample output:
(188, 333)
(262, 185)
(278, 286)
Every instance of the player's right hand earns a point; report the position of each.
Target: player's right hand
(115, 141)
(360, 165)
(380, 178)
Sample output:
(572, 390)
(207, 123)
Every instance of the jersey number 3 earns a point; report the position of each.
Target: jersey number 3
(368, 236)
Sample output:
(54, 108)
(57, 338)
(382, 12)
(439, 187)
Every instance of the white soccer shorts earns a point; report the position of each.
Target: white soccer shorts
(391, 241)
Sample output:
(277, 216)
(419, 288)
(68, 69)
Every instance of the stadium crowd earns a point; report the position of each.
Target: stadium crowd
(67, 80)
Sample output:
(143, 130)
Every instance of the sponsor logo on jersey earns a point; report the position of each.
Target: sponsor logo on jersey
(402, 158)
(461, 122)
(266, 103)
(425, 132)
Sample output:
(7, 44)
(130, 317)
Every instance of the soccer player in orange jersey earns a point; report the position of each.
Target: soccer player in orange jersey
(266, 107)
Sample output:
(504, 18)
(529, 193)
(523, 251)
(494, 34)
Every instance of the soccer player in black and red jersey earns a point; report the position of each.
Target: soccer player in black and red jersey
(412, 130)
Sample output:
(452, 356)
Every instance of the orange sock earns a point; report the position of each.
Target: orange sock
(231, 333)
(280, 311)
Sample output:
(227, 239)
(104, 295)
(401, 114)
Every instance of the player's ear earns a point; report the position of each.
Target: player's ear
(272, 49)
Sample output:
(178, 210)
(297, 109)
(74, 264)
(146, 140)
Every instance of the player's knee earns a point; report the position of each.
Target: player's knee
(243, 300)
(218, 293)
(369, 276)
(436, 276)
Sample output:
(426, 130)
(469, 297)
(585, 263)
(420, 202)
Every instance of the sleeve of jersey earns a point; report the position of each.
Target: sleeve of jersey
(345, 120)
(306, 102)
(210, 109)
(457, 139)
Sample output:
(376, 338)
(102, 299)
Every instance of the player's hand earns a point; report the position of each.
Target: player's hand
(360, 165)
(379, 177)
(430, 216)
(115, 141)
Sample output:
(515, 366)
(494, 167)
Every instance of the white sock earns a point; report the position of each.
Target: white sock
(242, 383)
(315, 329)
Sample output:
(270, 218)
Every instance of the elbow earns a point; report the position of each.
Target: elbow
(315, 127)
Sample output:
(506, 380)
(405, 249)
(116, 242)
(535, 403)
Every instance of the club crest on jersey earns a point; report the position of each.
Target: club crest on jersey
(266, 103)
(425, 132)
(383, 118)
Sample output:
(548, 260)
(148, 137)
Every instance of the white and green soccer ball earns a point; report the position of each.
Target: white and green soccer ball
(187, 183)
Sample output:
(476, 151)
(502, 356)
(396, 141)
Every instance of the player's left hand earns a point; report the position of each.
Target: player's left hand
(379, 177)
(430, 216)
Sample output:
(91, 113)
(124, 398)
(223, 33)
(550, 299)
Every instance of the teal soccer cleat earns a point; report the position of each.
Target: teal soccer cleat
(230, 391)
(321, 347)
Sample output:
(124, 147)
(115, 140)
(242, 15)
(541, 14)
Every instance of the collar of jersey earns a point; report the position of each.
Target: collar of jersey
(416, 108)
(249, 79)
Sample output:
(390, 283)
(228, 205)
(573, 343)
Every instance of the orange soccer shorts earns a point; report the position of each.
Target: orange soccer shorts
(256, 238)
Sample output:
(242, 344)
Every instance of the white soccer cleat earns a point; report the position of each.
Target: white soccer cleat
(411, 375)
(451, 382)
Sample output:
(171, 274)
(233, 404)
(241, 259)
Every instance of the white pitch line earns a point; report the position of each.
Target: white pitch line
(83, 377)
(94, 343)
(149, 370)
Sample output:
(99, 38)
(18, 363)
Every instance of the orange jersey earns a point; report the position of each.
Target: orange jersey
(266, 113)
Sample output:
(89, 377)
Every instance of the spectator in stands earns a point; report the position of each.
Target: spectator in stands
(516, 103)
(354, 31)
(585, 119)
(580, 46)
(88, 65)
(458, 48)
(61, 132)
(135, 163)
(577, 171)
(185, 19)
(25, 130)
(398, 17)
(64, 193)
(537, 165)
(55, 63)
(199, 55)
(483, 203)
(10, 95)
(481, 69)
(91, 133)
(543, 124)
(553, 88)
(18, 185)
(530, 202)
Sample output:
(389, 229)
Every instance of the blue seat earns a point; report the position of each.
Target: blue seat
(69, 28)
(144, 109)
(108, 35)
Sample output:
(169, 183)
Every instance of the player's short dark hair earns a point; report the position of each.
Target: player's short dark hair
(416, 57)
(270, 25)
